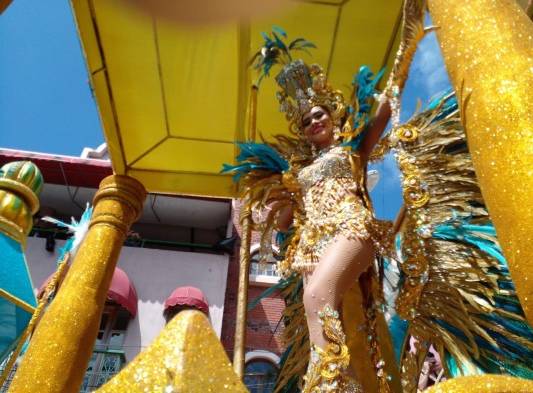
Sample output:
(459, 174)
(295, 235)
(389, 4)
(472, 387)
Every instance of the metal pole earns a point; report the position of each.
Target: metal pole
(242, 298)
(252, 125)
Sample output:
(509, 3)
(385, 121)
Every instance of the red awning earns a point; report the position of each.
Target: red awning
(187, 296)
(121, 291)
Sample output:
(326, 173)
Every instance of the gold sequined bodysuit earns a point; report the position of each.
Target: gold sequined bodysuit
(332, 208)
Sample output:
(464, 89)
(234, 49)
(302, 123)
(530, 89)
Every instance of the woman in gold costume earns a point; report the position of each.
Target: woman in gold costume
(314, 184)
(338, 234)
(452, 289)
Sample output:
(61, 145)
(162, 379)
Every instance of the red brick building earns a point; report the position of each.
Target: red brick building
(263, 326)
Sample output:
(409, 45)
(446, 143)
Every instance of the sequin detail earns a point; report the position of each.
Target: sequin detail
(333, 163)
(332, 209)
(327, 370)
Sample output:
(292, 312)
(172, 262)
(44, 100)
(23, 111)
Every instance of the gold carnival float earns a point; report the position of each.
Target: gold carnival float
(175, 101)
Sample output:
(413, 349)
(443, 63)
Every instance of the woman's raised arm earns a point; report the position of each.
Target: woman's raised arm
(285, 218)
(374, 130)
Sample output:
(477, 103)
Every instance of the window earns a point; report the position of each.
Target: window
(108, 357)
(266, 269)
(260, 376)
(113, 326)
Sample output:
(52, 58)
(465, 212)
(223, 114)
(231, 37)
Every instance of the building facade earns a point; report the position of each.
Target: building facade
(178, 242)
(264, 326)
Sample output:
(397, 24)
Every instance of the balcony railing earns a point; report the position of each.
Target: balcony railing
(104, 364)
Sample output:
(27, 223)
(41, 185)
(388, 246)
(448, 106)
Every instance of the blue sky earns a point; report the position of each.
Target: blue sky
(45, 99)
(46, 104)
(427, 78)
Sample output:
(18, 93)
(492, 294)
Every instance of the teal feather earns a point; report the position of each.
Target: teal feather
(365, 84)
(392, 281)
(78, 229)
(448, 102)
(509, 356)
(279, 30)
(398, 332)
(275, 51)
(459, 229)
(256, 156)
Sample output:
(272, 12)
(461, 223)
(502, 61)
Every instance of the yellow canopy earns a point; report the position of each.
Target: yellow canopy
(173, 99)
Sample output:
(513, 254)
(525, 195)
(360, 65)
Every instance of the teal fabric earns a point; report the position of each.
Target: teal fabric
(14, 279)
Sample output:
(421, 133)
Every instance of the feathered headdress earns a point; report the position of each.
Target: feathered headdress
(302, 88)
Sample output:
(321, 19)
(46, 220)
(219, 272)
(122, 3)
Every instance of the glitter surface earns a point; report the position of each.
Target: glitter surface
(186, 357)
(484, 384)
(63, 341)
(488, 50)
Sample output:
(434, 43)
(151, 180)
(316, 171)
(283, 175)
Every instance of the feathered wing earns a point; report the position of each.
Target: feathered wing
(268, 184)
(455, 288)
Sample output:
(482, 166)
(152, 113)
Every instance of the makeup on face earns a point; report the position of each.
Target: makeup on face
(317, 115)
(317, 127)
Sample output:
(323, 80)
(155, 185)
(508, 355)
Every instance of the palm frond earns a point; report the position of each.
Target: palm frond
(275, 51)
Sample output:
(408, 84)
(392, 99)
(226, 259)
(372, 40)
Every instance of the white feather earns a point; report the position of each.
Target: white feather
(77, 228)
(372, 178)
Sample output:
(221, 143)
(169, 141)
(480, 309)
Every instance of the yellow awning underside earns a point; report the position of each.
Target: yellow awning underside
(173, 100)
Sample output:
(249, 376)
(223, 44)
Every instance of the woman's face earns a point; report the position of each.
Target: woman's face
(318, 127)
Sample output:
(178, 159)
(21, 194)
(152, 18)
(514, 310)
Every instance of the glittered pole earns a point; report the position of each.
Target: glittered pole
(242, 297)
(63, 341)
(488, 50)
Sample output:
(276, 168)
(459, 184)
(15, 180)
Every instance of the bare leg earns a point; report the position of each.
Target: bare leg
(338, 269)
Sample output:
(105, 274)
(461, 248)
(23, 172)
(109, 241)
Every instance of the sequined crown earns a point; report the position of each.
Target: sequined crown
(304, 87)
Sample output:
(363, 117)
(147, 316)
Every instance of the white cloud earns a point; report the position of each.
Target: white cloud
(427, 77)
(387, 195)
(428, 71)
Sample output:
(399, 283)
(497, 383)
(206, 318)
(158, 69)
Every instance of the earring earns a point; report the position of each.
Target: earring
(313, 150)
(336, 133)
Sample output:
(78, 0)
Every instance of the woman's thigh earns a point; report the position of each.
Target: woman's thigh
(340, 266)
